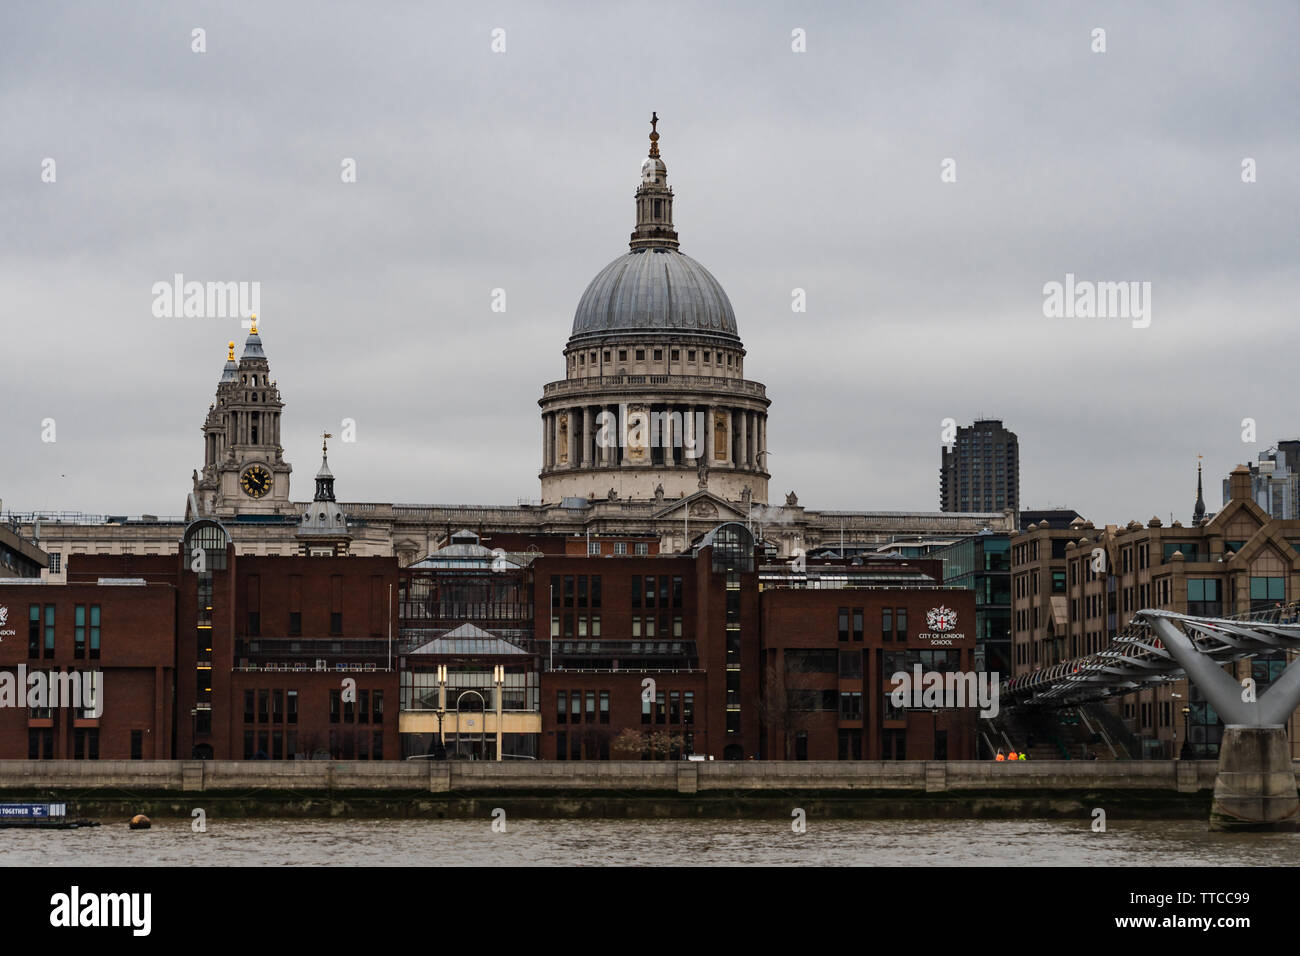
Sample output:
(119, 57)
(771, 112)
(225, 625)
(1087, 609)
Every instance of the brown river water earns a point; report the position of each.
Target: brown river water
(532, 842)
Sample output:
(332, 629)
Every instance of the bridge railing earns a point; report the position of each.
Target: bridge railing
(1137, 658)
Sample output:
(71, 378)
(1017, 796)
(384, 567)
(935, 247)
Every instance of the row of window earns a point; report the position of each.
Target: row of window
(847, 703)
(368, 708)
(571, 590)
(343, 745)
(272, 706)
(85, 631)
(85, 744)
(569, 709)
(580, 359)
(254, 628)
(644, 591)
(639, 548)
(893, 624)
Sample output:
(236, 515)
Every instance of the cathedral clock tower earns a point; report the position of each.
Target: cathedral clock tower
(244, 471)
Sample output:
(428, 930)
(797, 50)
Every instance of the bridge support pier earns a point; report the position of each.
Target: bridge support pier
(1256, 785)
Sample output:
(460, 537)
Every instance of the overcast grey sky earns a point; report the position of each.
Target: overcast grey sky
(818, 170)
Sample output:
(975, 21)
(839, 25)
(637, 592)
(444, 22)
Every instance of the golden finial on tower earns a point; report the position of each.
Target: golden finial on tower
(230, 351)
(323, 449)
(654, 134)
(253, 327)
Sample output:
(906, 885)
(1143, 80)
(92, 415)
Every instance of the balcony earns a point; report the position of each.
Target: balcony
(605, 384)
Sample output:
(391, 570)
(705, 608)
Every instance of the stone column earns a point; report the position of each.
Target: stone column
(588, 441)
(611, 434)
(688, 432)
(546, 443)
(731, 436)
(744, 440)
(708, 435)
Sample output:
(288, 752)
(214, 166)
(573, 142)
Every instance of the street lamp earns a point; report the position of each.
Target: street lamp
(1187, 740)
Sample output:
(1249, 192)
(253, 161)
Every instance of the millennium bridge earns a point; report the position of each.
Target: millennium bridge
(1256, 785)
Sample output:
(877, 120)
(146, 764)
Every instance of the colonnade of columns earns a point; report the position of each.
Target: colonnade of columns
(685, 435)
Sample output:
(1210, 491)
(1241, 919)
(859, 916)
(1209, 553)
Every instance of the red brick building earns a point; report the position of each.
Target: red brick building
(273, 657)
(125, 631)
(828, 659)
(663, 647)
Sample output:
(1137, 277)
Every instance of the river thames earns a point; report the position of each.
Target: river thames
(531, 842)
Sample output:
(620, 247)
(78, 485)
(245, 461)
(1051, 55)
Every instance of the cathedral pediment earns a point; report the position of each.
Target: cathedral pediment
(702, 506)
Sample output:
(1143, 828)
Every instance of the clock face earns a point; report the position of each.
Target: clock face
(256, 482)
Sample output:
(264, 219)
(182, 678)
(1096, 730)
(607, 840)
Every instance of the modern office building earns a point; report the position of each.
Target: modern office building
(982, 563)
(980, 471)
(1275, 480)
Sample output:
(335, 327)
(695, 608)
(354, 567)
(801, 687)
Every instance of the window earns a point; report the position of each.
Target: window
(622, 355)
(33, 631)
(291, 700)
(336, 623)
(248, 706)
(595, 590)
(1204, 597)
(295, 623)
(335, 700)
(620, 547)
(604, 706)
(49, 631)
(844, 624)
(851, 664)
(886, 624)
(642, 547)
(1264, 592)
(79, 632)
(56, 563)
(659, 353)
(851, 705)
(593, 547)
(811, 661)
(591, 706)
(137, 745)
(254, 624)
(900, 620)
(377, 709)
(857, 624)
(575, 708)
(263, 707)
(640, 355)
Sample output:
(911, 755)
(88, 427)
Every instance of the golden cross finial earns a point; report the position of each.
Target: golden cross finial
(323, 436)
(230, 351)
(253, 328)
(654, 134)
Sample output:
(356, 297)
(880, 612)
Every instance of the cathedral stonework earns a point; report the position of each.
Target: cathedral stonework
(654, 429)
(244, 471)
(654, 386)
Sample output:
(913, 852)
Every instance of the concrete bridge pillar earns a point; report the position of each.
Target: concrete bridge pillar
(1256, 787)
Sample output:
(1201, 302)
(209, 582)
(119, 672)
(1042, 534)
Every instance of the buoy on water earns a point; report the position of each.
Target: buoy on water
(140, 822)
